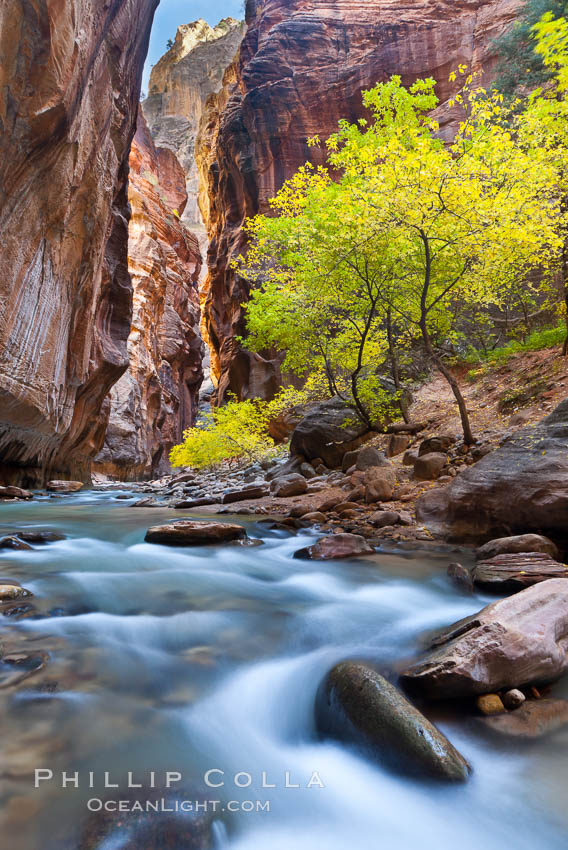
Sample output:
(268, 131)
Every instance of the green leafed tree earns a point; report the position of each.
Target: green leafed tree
(379, 250)
(521, 66)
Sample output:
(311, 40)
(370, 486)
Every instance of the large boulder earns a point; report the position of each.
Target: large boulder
(328, 431)
(398, 444)
(355, 703)
(516, 641)
(520, 487)
(516, 545)
(189, 533)
(505, 573)
(64, 486)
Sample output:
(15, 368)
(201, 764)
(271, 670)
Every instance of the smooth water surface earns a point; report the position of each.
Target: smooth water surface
(190, 660)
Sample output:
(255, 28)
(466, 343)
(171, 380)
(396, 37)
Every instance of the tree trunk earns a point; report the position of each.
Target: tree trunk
(468, 437)
(394, 364)
(565, 346)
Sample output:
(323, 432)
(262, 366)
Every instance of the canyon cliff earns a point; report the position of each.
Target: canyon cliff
(301, 67)
(156, 398)
(70, 76)
(180, 83)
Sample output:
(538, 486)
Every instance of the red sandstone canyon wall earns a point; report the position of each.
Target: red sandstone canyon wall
(70, 74)
(301, 68)
(157, 397)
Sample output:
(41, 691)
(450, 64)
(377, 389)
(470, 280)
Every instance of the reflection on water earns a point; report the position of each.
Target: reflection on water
(190, 660)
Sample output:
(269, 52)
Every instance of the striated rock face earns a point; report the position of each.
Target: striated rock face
(156, 399)
(521, 487)
(70, 76)
(180, 84)
(301, 68)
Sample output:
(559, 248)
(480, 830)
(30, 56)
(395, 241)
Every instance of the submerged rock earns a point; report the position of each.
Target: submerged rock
(15, 493)
(519, 640)
(461, 577)
(533, 719)
(166, 827)
(13, 543)
(355, 703)
(336, 546)
(40, 536)
(148, 503)
(188, 533)
(18, 666)
(13, 591)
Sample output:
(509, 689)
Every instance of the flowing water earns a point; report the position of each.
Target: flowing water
(192, 660)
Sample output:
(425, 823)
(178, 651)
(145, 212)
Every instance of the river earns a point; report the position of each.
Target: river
(197, 660)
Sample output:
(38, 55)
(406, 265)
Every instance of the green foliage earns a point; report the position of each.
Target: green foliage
(536, 341)
(521, 67)
(355, 270)
(235, 432)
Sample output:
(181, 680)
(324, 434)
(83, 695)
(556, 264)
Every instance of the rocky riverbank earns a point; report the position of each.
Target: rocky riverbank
(510, 496)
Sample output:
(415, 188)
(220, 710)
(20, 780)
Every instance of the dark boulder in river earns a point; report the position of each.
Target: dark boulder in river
(355, 703)
(189, 533)
(516, 641)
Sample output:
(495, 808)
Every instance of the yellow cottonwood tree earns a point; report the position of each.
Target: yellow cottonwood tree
(352, 268)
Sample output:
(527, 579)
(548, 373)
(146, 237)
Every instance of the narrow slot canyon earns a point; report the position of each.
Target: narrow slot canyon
(169, 381)
(283, 424)
(116, 315)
